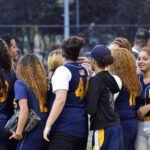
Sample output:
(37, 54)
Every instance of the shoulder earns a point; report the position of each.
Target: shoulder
(140, 76)
(20, 83)
(62, 71)
(118, 81)
(61, 79)
(95, 81)
(13, 73)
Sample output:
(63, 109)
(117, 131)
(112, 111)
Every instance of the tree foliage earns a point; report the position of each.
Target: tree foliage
(51, 12)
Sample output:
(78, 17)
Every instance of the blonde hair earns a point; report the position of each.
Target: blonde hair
(54, 61)
(125, 67)
(31, 71)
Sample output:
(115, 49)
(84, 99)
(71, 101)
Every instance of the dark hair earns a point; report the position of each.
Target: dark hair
(123, 43)
(7, 38)
(5, 56)
(141, 36)
(71, 47)
(107, 60)
(5, 60)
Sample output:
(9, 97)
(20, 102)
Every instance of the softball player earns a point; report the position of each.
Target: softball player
(30, 93)
(7, 79)
(143, 103)
(69, 84)
(124, 66)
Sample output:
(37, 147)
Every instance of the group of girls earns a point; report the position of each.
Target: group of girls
(116, 98)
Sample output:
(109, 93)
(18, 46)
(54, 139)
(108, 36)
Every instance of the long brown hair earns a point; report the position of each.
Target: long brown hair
(31, 71)
(125, 67)
(5, 60)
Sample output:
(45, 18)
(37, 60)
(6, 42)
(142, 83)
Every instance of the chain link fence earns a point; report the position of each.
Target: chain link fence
(41, 39)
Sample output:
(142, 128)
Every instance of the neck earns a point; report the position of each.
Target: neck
(97, 70)
(65, 61)
(146, 74)
(138, 47)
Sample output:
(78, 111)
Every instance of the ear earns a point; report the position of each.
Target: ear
(93, 61)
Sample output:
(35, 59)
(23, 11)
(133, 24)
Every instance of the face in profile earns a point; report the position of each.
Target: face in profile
(144, 61)
(13, 48)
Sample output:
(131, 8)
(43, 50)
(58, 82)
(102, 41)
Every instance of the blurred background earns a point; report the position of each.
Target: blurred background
(40, 25)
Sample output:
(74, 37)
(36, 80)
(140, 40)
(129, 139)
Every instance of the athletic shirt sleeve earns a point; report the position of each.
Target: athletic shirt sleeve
(119, 82)
(61, 79)
(20, 92)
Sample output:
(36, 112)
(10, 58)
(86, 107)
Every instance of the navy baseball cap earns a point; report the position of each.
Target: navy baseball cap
(99, 52)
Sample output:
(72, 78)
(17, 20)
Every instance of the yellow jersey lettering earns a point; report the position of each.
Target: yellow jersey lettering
(43, 108)
(132, 100)
(3, 92)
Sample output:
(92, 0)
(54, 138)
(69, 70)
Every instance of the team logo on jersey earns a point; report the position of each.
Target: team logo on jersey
(82, 73)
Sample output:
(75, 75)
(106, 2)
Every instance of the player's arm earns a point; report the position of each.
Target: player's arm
(142, 111)
(23, 116)
(59, 102)
(93, 95)
(60, 84)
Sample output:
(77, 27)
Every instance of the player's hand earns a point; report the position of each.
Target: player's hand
(142, 111)
(16, 136)
(46, 133)
(89, 68)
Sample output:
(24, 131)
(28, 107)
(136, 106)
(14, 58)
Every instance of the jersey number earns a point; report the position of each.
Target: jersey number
(3, 92)
(81, 91)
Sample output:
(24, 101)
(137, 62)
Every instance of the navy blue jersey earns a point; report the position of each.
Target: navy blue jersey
(51, 98)
(22, 91)
(125, 105)
(144, 97)
(73, 119)
(7, 95)
(78, 85)
(135, 54)
(50, 95)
